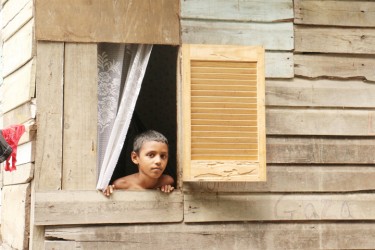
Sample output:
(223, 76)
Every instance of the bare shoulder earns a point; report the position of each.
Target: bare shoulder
(165, 180)
(125, 182)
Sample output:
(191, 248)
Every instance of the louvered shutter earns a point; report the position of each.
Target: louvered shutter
(222, 116)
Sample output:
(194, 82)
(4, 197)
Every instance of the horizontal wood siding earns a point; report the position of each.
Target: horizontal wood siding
(268, 24)
(252, 235)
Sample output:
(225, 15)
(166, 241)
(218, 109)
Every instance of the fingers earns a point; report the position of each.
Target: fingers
(109, 190)
(167, 188)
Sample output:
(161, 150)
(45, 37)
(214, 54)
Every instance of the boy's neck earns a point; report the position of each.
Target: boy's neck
(146, 182)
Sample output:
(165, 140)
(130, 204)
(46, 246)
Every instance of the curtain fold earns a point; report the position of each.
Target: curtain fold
(118, 93)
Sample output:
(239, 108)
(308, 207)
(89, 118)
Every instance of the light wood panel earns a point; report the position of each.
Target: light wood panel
(334, 40)
(206, 207)
(57, 244)
(299, 178)
(26, 153)
(279, 64)
(301, 92)
(80, 117)
(239, 33)
(19, 87)
(142, 21)
(21, 114)
(15, 14)
(251, 235)
(320, 150)
(320, 122)
(92, 207)
(50, 77)
(23, 43)
(268, 11)
(337, 13)
(23, 174)
(15, 215)
(333, 65)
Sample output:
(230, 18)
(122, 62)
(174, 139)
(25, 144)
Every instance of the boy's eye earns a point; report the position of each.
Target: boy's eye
(164, 157)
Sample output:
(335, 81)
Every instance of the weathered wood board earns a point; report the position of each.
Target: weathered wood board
(301, 92)
(332, 122)
(319, 150)
(23, 43)
(298, 178)
(92, 207)
(252, 235)
(267, 11)
(336, 12)
(22, 175)
(50, 75)
(15, 215)
(333, 65)
(334, 40)
(279, 64)
(207, 207)
(15, 15)
(54, 245)
(142, 21)
(19, 87)
(26, 153)
(238, 33)
(30, 132)
(80, 117)
(21, 114)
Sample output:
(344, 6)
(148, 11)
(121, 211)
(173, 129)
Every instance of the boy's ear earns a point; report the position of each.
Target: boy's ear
(134, 157)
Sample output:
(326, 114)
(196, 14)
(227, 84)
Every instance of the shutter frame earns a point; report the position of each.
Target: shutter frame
(235, 164)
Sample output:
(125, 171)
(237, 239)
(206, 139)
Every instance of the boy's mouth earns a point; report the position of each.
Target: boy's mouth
(157, 169)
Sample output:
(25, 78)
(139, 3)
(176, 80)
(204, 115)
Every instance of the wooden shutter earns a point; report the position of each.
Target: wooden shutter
(222, 118)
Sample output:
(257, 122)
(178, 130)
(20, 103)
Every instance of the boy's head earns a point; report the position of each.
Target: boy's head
(150, 153)
(150, 135)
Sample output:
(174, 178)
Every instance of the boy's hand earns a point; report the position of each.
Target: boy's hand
(109, 190)
(166, 188)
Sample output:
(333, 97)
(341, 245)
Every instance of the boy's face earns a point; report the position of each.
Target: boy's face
(152, 158)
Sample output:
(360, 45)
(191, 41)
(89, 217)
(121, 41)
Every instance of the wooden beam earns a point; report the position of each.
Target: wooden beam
(48, 168)
(238, 33)
(334, 40)
(338, 66)
(15, 14)
(19, 86)
(279, 64)
(23, 42)
(142, 21)
(301, 92)
(251, 235)
(57, 244)
(207, 207)
(92, 207)
(320, 122)
(244, 11)
(337, 13)
(318, 150)
(80, 117)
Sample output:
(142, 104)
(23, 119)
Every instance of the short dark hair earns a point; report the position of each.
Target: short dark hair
(149, 135)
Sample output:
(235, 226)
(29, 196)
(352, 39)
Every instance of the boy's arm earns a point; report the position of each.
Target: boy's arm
(166, 183)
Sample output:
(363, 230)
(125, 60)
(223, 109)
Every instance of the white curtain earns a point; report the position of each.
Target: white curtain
(121, 69)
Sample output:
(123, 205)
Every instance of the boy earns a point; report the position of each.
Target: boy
(150, 154)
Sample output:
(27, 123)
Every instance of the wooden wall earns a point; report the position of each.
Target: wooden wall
(18, 107)
(320, 138)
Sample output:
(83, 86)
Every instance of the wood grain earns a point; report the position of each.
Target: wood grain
(92, 207)
(337, 13)
(142, 21)
(80, 117)
(48, 168)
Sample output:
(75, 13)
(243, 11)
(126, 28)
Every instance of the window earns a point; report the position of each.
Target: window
(222, 116)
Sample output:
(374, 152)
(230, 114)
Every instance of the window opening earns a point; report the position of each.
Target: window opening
(155, 109)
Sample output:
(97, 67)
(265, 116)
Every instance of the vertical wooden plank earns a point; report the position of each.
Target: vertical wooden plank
(80, 117)
(48, 161)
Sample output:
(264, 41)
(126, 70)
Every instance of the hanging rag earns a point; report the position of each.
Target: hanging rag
(12, 135)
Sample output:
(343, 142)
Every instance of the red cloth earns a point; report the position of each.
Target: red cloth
(12, 135)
